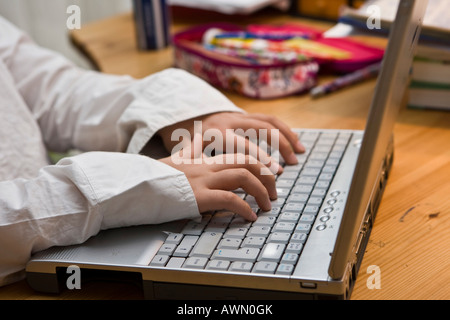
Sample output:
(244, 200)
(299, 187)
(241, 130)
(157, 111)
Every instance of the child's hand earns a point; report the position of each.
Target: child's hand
(286, 140)
(214, 178)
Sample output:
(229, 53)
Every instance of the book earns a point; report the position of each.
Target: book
(430, 80)
(426, 95)
(425, 70)
(430, 76)
(436, 25)
(433, 51)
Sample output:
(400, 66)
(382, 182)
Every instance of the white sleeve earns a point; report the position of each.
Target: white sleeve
(92, 111)
(73, 200)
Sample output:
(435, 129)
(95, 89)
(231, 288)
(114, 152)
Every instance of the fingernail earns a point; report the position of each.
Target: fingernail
(274, 195)
(292, 159)
(275, 168)
(268, 204)
(300, 147)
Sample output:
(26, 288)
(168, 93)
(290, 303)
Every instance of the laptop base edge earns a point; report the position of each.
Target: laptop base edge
(55, 283)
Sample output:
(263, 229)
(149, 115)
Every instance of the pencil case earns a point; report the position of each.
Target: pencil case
(268, 80)
(232, 74)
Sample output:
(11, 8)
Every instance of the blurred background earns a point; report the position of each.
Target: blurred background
(45, 20)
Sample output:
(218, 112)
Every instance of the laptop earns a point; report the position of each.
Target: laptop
(309, 246)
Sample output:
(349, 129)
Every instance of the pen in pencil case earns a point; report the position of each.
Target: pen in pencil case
(260, 56)
(301, 46)
(347, 80)
(252, 35)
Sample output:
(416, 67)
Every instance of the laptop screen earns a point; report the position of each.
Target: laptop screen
(386, 103)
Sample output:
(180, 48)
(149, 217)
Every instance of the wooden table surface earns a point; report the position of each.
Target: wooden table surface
(410, 240)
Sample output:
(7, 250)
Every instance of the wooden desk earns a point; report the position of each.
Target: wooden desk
(410, 240)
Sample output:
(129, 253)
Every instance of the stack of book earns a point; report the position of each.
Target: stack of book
(430, 79)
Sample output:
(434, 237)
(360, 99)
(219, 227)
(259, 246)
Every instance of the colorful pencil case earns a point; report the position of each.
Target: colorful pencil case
(271, 77)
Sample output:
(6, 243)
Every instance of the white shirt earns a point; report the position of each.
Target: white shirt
(48, 103)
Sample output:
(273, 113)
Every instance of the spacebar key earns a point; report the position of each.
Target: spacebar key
(206, 244)
(243, 254)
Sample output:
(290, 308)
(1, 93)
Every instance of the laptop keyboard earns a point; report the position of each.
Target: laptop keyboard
(272, 244)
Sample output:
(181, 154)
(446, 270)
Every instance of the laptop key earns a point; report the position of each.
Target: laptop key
(307, 218)
(218, 265)
(306, 180)
(314, 163)
(206, 244)
(312, 172)
(174, 238)
(285, 183)
(284, 226)
(253, 242)
(324, 184)
(289, 258)
(298, 197)
(326, 176)
(299, 237)
(278, 202)
(285, 269)
(240, 222)
(294, 247)
(311, 209)
(195, 263)
(261, 231)
(159, 260)
(329, 168)
(193, 228)
(282, 192)
(229, 243)
(303, 228)
(293, 207)
(175, 262)
(319, 192)
(289, 217)
(287, 175)
(167, 249)
(217, 226)
(273, 212)
(272, 252)
(279, 237)
(313, 200)
(265, 221)
(239, 266)
(302, 189)
(185, 246)
(222, 217)
(238, 233)
(293, 168)
(243, 254)
(265, 267)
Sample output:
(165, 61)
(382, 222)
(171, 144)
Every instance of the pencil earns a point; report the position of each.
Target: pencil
(347, 80)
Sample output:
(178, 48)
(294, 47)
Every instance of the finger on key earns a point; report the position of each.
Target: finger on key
(259, 170)
(227, 200)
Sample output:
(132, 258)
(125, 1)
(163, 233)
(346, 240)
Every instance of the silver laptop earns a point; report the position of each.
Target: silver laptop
(310, 245)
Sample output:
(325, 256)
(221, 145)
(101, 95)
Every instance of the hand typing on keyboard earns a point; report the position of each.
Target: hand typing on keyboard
(273, 242)
(242, 163)
(213, 183)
